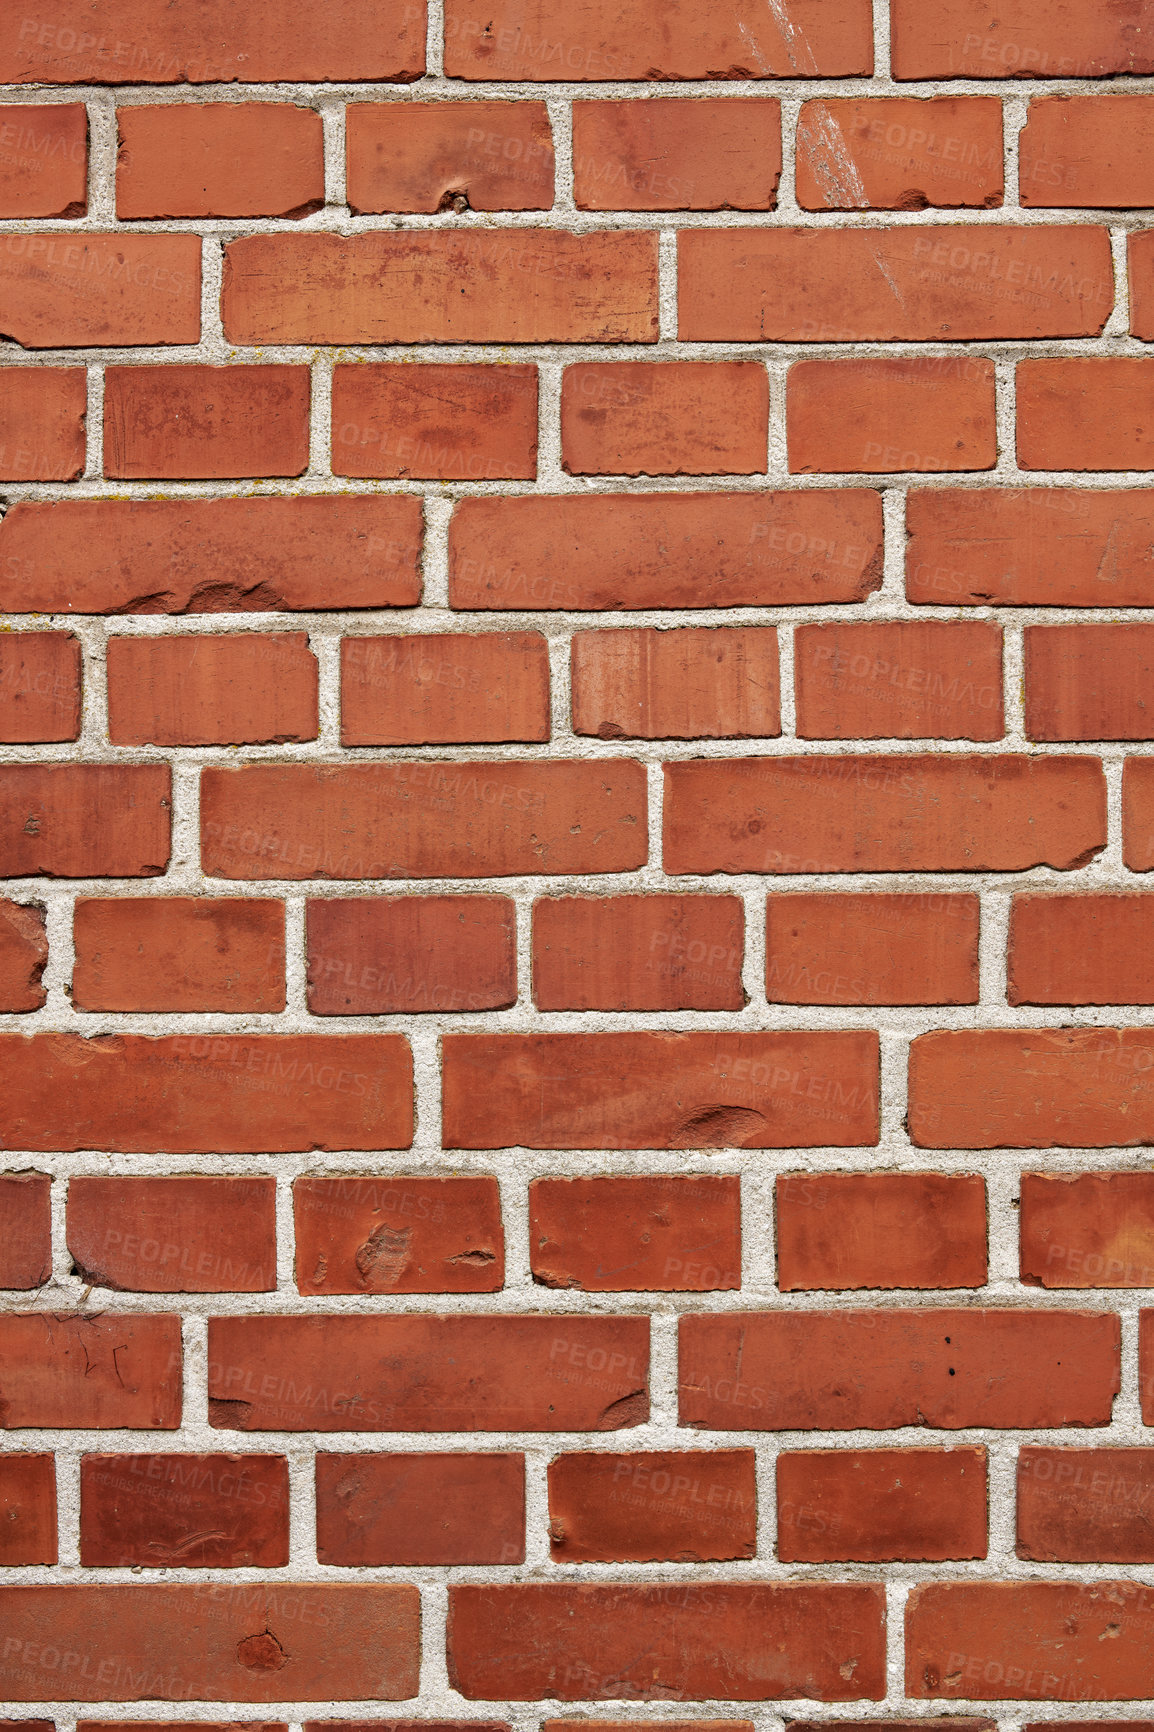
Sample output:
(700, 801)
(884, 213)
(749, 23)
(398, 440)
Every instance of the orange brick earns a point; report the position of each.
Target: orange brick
(711, 153)
(62, 291)
(444, 688)
(1091, 152)
(837, 1231)
(907, 680)
(42, 416)
(219, 159)
(871, 947)
(1015, 39)
(460, 423)
(1091, 948)
(44, 160)
(241, 688)
(1090, 682)
(638, 953)
(861, 416)
(427, 156)
(899, 153)
(672, 418)
(178, 953)
(212, 422)
(1138, 814)
(1085, 413)
(1087, 1229)
(693, 683)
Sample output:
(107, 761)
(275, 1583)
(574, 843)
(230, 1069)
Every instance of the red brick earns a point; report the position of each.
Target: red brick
(898, 413)
(425, 156)
(240, 688)
(649, 1725)
(377, 955)
(672, 418)
(915, 284)
(85, 820)
(64, 291)
(1029, 1641)
(899, 153)
(905, 680)
(843, 1230)
(883, 814)
(1140, 261)
(664, 550)
(710, 153)
(185, 1512)
(27, 1512)
(936, 1723)
(1087, 152)
(416, 1509)
(1085, 949)
(364, 1234)
(421, 820)
(638, 953)
(424, 1373)
(1146, 1364)
(444, 689)
(458, 286)
(1085, 1505)
(1030, 546)
(1085, 413)
(188, 1094)
(413, 1726)
(261, 1642)
(25, 1229)
(1087, 1229)
(1016, 39)
(638, 1090)
(455, 423)
(601, 1641)
(127, 42)
(89, 1372)
(174, 1235)
(23, 954)
(1032, 1088)
(636, 1235)
(217, 422)
(42, 413)
(668, 1506)
(40, 674)
(881, 1505)
(1138, 814)
(1089, 682)
(871, 947)
(211, 555)
(607, 39)
(947, 1369)
(693, 683)
(44, 160)
(178, 953)
(219, 159)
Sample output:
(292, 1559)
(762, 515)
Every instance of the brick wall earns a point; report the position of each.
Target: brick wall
(576, 1068)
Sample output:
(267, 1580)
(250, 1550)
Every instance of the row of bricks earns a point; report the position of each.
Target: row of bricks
(1000, 547)
(961, 282)
(404, 1233)
(685, 1506)
(239, 159)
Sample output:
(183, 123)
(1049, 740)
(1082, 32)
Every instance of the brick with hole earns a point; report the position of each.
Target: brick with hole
(948, 1369)
(23, 956)
(871, 947)
(219, 159)
(691, 683)
(1085, 413)
(444, 688)
(855, 417)
(91, 1372)
(638, 953)
(410, 954)
(1018, 39)
(85, 820)
(238, 688)
(368, 1233)
(711, 153)
(431, 156)
(1085, 1505)
(423, 1373)
(663, 1506)
(664, 550)
(69, 291)
(1138, 814)
(211, 555)
(899, 153)
(217, 423)
(188, 1512)
(671, 1234)
(40, 675)
(1093, 948)
(42, 418)
(178, 953)
(44, 160)
(1089, 682)
(421, 1509)
(1087, 152)
(178, 1234)
(25, 1229)
(213, 1093)
(27, 1510)
(451, 423)
(881, 1505)
(837, 1231)
(1087, 1229)
(671, 418)
(455, 286)
(907, 679)
(642, 1090)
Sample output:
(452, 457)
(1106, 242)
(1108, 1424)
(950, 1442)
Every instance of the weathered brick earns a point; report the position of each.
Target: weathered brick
(219, 159)
(1091, 152)
(1016, 39)
(1085, 949)
(1085, 412)
(907, 679)
(44, 160)
(63, 291)
(1087, 1229)
(444, 688)
(366, 1234)
(1089, 682)
(25, 1229)
(673, 1506)
(27, 1510)
(711, 153)
(843, 1230)
(410, 954)
(423, 156)
(894, 413)
(680, 1234)
(85, 820)
(184, 1511)
(638, 953)
(239, 688)
(40, 674)
(899, 153)
(1085, 1505)
(89, 1372)
(174, 1235)
(452, 423)
(42, 418)
(692, 683)
(668, 418)
(178, 953)
(220, 423)
(23, 955)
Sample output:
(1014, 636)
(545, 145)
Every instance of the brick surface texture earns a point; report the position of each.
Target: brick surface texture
(576, 850)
